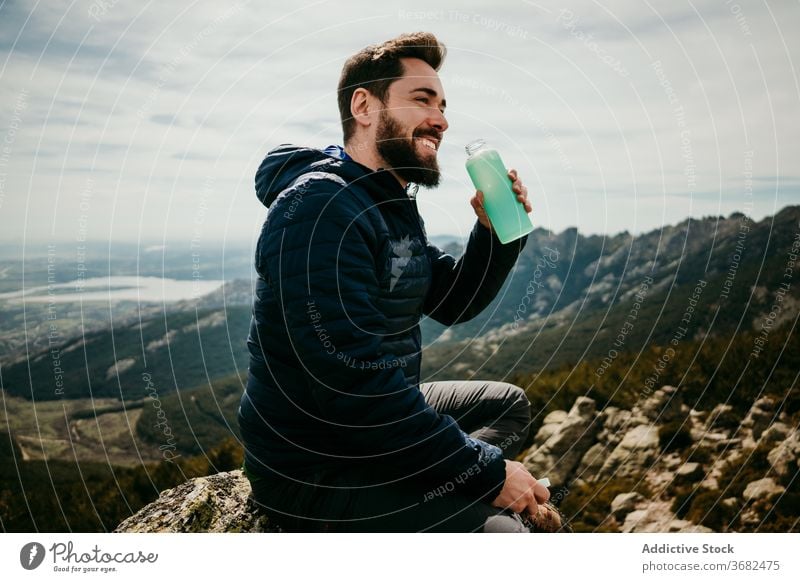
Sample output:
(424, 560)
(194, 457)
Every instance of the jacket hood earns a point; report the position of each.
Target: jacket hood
(287, 162)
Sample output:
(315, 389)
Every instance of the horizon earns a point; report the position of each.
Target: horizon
(157, 244)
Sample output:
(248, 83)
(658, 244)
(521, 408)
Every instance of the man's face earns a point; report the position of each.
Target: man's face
(411, 127)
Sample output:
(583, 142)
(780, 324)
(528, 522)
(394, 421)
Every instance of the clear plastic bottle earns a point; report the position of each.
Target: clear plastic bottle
(490, 176)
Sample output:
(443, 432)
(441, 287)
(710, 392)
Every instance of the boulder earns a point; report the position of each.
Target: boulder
(624, 503)
(765, 488)
(616, 422)
(689, 473)
(663, 406)
(219, 503)
(591, 463)
(551, 423)
(775, 434)
(561, 452)
(722, 419)
(785, 457)
(760, 416)
(634, 454)
(655, 517)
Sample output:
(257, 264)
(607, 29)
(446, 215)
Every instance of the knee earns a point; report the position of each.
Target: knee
(519, 405)
(505, 522)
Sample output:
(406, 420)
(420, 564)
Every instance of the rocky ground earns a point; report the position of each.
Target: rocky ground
(669, 454)
(665, 462)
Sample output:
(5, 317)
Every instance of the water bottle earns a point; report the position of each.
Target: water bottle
(490, 176)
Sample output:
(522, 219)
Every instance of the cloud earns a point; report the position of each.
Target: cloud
(619, 116)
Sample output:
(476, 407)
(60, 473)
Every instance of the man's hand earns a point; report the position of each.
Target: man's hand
(521, 492)
(516, 185)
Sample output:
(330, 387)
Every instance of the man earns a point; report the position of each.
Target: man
(339, 433)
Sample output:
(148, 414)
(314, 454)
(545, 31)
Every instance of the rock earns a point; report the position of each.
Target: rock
(663, 406)
(760, 416)
(637, 451)
(723, 445)
(591, 463)
(785, 458)
(556, 417)
(775, 434)
(562, 451)
(689, 473)
(218, 503)
(722, 418)
(550, 425)
(616, 422)
(762, 489)
(671, 461)
(657, 517)
(624, 503)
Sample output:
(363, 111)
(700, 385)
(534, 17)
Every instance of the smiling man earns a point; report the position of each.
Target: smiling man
(339, 433)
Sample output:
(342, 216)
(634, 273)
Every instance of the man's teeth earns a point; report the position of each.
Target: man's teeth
(429, 143)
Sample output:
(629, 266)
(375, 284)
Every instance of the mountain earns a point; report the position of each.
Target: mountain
(569, 297)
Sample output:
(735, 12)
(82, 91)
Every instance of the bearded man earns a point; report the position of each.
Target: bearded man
(340, 433)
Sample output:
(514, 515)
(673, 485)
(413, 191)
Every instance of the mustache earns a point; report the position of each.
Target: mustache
(434, 134)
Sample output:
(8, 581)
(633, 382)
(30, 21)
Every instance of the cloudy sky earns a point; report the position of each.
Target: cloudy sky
(142, 120)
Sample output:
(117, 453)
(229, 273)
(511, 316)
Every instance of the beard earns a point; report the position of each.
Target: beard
(400, 152)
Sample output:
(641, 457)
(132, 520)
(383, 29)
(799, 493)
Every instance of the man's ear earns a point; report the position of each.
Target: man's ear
(360, 107)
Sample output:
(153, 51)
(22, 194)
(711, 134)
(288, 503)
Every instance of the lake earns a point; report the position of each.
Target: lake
(116, 288)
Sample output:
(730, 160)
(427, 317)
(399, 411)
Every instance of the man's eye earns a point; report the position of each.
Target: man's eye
(423, 99)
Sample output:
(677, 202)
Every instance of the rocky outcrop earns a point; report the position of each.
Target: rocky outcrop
(216, 504)
(656, 516)
(784, 458)
(566, 443)
(584, 448)
(637, 451)
(762, 489)
(589, 450)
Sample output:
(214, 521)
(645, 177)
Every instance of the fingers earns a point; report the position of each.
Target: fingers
(525, 503)
(532, 507)
(541, 493)
(520, 189)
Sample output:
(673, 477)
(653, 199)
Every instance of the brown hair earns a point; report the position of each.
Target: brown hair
(377, 66)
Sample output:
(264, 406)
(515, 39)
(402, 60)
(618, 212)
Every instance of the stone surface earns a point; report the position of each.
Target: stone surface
(563, 450)
(760, 416)
(689, 473)
(550, 426)
(624, 503)
(663, 406)
(775, 434)
(722, 419)
(785, 457)
(637, 451)
(765, 488)
(216, 504)
(656, 516)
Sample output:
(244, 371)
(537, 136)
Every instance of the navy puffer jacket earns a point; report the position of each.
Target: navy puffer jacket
(345, 272)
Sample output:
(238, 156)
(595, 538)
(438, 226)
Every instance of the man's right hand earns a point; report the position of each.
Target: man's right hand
(521, 492)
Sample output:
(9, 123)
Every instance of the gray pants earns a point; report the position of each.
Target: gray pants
(495, 412)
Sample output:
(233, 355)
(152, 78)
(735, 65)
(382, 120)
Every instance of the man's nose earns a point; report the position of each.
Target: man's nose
(438, 121)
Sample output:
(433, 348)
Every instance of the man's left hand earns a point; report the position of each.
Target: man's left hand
(516, 185)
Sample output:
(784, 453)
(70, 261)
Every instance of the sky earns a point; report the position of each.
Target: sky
(146, 121)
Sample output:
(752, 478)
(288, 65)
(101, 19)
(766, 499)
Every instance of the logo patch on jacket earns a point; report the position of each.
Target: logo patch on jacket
(402, 251)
